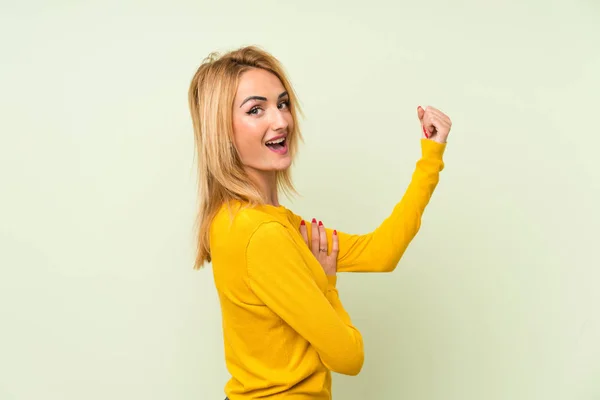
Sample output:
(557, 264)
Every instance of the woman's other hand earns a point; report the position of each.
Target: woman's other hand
(327, 256)
(435, 124)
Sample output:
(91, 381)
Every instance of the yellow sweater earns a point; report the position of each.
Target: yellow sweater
(284, 325)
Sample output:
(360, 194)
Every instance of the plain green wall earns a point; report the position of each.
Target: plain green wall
(497, 298)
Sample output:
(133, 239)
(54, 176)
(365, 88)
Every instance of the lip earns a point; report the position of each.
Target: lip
(283, 151)
(276, 138)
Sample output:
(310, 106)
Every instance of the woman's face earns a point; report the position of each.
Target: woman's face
(262, 121)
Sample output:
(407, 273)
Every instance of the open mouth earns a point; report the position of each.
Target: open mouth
(277, 145)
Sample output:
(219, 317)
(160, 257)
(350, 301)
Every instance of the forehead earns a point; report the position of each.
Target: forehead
(258, 82)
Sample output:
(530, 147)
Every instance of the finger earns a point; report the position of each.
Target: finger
(428, 125)
(444, 119)
(425, 133)
(335, 244)
(432, 123)
(314, 240)
(304, 232)
(322, 239)
(440, 116)
(420, 113)
(433, 120)
(439, 124)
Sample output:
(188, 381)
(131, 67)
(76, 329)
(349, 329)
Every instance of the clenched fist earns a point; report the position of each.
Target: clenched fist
(435, 124)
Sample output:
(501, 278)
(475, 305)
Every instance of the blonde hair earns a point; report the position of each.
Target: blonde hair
(221, 175)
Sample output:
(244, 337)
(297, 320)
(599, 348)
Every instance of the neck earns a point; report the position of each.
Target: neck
(267, 184)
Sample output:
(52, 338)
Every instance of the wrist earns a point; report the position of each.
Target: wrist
(432, 149)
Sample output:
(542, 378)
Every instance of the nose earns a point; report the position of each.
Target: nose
(278, 121)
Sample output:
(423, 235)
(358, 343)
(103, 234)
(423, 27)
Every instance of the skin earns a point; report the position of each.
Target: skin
(261, 113)
(318, 246)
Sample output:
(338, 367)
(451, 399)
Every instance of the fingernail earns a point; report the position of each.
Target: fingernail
(314, 221)
(302, 223)
(320, 223)
(425, 132)
(334, 232)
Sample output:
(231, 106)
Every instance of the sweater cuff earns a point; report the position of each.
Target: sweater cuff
(432, 149)
(332, 280)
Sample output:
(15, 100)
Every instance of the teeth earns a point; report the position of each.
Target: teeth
(280, 140)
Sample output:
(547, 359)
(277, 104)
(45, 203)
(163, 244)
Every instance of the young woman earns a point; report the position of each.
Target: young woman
(284, 326)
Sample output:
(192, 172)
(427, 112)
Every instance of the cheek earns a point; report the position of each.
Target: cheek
(247, 134)
(290, 121)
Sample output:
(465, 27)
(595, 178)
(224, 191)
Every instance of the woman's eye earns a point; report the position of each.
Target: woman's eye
(253, 111)
(284, 104)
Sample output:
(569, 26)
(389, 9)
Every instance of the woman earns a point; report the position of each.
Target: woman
(284, 326)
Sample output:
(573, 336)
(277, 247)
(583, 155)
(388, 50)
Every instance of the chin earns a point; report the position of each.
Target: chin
(283, 164)
(278, 158)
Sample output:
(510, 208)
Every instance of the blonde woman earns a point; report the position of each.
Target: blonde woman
(285, 328)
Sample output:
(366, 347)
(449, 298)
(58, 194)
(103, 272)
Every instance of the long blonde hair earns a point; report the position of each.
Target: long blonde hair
(221, 175)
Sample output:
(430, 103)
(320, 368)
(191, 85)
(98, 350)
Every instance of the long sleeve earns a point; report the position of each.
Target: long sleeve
(382, 249)
(279, 275)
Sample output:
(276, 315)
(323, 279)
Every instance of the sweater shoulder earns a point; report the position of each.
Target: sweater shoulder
(233, 227)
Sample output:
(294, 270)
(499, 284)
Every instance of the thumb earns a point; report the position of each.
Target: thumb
(420, 113)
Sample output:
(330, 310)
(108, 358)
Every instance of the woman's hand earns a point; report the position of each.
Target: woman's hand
(319, 246)
(435, 124)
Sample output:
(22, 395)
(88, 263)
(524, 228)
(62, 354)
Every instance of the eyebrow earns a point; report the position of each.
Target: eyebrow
(261, 98)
